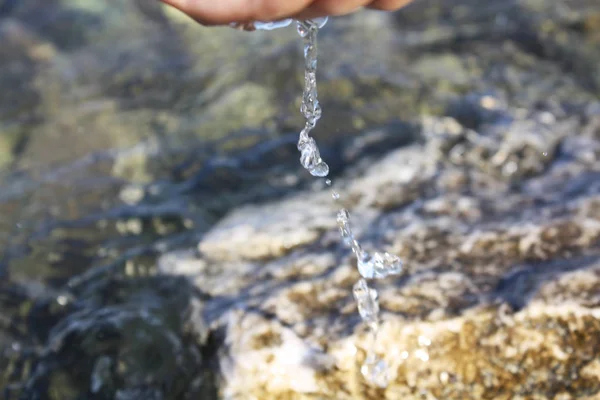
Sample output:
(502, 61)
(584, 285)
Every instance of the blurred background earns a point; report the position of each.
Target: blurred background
(127, 132)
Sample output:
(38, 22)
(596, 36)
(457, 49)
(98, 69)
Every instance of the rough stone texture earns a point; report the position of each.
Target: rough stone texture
(500, 294)
(467, 141)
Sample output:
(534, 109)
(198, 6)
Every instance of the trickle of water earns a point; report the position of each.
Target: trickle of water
(343, 220)
(366, 299)
(370, 266)
(310, 157)
(376, 265)
(374, 369)
(304, 26)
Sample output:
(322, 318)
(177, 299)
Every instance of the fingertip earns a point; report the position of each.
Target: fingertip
(223, 12)
(183, 7)
(330, 8)
(310, 13)
(388, 5)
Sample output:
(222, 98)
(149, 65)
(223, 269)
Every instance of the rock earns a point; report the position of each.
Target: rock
(9, 138)
(176, 154)
(445, 68)
(497, 290)
(260, 233)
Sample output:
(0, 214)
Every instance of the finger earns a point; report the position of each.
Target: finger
(220, 12)
(322, 8)
(388, 5)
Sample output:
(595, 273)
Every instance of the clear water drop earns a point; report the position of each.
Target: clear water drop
(386, 264)
(308, 26)
(343, 220)
(366, 299)
(365, 264)
(303, 28)
(309, 154)
(375, 371)
(343, 216)
(320, 170)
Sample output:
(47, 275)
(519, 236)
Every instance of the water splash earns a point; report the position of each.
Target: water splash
(370, 266)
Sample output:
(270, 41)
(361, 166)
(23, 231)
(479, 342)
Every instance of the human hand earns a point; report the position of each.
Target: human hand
(221, 12)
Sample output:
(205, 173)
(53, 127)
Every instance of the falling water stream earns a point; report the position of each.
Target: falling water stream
(371, 265)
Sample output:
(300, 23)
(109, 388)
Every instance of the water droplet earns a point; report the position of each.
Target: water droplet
(364, 263)
(328, 182)
(386, 264)
(343, 215)
(303, 28)
(375, 371)
(320, 170)
(309, 154)
(366, 298)
(378, 265)
(343, 220)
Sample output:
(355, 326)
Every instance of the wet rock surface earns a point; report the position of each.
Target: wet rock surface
(499, 297)
(161, 241)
